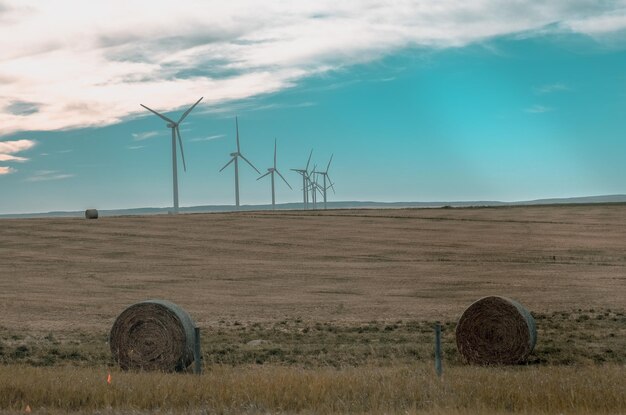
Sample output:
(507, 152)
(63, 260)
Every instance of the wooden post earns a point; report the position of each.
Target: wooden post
(197, 356)
(438, 366)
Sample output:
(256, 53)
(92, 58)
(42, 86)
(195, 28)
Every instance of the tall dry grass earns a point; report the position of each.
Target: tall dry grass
(282, 389)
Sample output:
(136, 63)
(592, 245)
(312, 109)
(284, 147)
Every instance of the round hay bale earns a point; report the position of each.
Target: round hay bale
(153, 335)
(496, 330)
(91, 214)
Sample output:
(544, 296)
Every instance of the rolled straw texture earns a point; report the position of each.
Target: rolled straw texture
(153, 335)
(496, 331)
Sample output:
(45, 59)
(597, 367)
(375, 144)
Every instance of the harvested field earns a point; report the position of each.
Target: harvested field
(343, 265)
(321, 297)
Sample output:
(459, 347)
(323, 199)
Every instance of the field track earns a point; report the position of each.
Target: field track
(341, 265)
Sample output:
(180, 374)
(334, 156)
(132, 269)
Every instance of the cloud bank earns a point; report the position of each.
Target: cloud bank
(80, 64)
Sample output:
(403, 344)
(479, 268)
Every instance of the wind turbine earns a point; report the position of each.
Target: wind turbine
(175, 132)
(235, 157)
(271, 171)
(325, 187)
(313, 186)
(305, 177)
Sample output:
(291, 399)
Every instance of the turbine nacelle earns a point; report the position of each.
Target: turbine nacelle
(171, 125)
(234, 154)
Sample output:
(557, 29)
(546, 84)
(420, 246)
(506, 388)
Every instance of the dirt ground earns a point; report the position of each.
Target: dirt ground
(338, 265)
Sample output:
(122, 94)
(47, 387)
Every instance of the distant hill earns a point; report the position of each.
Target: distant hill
(331, 205)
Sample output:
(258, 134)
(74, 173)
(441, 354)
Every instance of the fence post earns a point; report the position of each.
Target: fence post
(197, 356)
(438, 366)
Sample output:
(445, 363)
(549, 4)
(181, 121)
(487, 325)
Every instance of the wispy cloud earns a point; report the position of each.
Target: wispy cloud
(6, 170)
(209, 138)
(144, 135)
(164, 53)
(601, 24)
(12, 147)
(538, 109)
(8, 157)
(550, 88)
(135, 147)
(46, 175)
(252, 104)
(8, 149)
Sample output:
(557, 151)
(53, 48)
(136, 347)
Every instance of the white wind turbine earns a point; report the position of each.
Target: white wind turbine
(305, 177)
(235, 158)
(271, 171)
(314, 187)
(175, 132)
(330, 184)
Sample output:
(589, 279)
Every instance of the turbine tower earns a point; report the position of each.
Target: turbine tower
(235, 158)
(313, 186)
(325, 187)
(175, 132)
(271, 171)
(305, 177)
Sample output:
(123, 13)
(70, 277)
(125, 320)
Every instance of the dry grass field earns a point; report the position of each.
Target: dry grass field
(325, 296)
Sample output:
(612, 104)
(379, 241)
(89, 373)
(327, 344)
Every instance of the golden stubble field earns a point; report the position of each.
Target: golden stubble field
(317, 312)
(337, 265)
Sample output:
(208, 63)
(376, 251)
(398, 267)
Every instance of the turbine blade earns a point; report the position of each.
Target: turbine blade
(274, 153)
(237, 128)
(329, 161)
(182, 152)
(248, 161)
(189, 110)
(331, 185)
(231, 160)
(157, 114)
(309, 160)
(260, 177)
(281, 176)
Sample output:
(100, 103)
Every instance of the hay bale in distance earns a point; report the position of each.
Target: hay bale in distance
(91, 214)
(153, 335)
(496, 330)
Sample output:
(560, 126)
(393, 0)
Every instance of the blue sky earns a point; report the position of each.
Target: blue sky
(418, 105)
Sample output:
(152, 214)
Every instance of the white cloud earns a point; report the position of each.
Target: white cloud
(550, 88)
(209, 138)
(145, 135)
(46, 175)
(600, 24)
(8, 157)
(135, 147)
(12, 147)
(92, 63)
(8, 150)
(538, 109)
(6, 170)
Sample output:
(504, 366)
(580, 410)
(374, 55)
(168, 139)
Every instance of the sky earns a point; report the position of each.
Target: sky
(415, 100)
